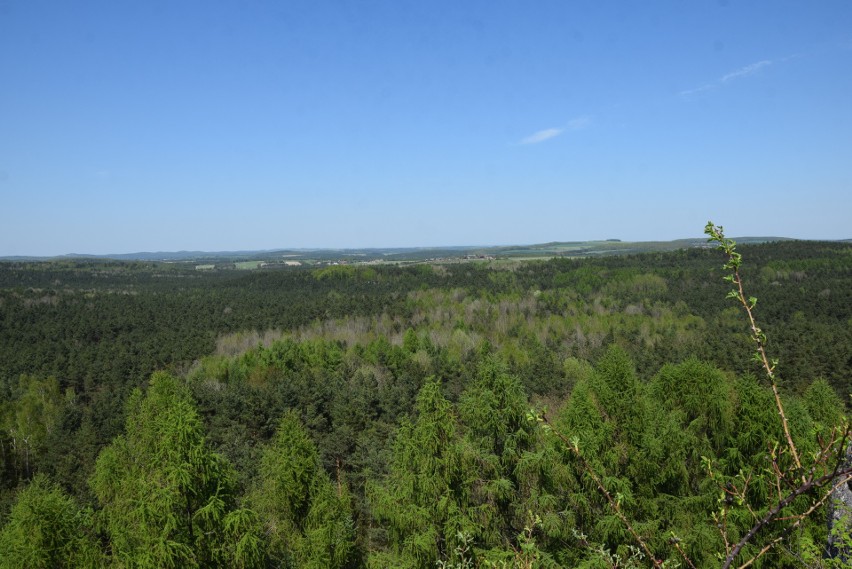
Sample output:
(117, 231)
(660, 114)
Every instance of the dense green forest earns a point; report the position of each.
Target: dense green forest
(429, 415)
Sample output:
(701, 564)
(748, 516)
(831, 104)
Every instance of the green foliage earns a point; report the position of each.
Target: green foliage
(47, 530)
(703, 393)
(307, 519)
(494, 412)
(168, 501)
(823, 405)
(287, 470)
(653, 454)
(27, 420)
(339, 272)
(639, 357)
(424, 502)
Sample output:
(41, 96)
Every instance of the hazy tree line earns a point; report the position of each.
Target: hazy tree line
(380, 416)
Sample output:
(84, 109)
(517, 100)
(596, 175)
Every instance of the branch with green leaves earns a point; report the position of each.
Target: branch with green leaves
(825, 467)
(716, 235)
(826, 470)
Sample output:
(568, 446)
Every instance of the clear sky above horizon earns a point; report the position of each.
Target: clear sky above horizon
(198, 125)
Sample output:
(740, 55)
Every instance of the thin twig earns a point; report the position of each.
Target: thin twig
(820, 461)
(676, 542)
(734, 259)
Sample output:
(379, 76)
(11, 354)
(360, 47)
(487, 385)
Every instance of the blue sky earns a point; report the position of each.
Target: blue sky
(148, 126)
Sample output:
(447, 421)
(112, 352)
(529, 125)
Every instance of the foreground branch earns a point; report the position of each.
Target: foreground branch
(716, 235)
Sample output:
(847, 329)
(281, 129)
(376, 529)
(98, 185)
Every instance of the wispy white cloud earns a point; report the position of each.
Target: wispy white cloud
(542, 135)
(688, 92)
(740, 73)
(745, 71)
(578, 123)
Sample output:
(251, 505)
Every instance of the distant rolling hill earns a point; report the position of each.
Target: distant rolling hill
(402, 254)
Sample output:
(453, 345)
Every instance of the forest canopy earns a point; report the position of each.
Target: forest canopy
(154, 415)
